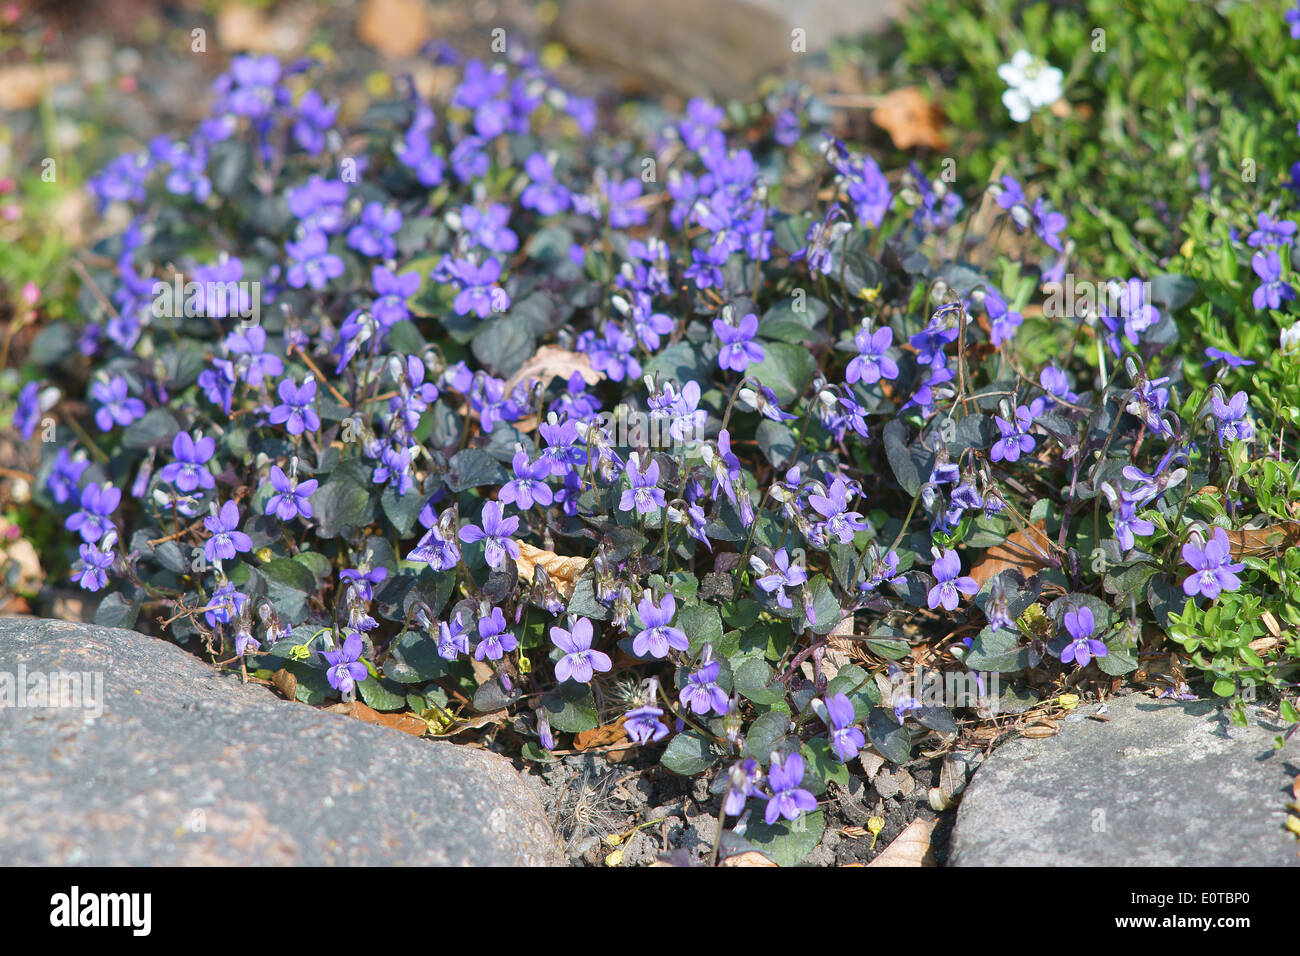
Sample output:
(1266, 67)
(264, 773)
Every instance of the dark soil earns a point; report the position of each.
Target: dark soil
(589, 799)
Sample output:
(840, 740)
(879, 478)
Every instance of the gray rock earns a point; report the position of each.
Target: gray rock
(183, 765)
(718, 48)
(1162, 783)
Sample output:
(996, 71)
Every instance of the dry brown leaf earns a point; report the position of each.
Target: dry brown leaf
(1260, 541)
(910, 848)
(23, 84)
(1024, 550)
(564, 571)
(473, 723)
(242, 27)
(551, 361)
(910, 119)
(748, 858)
(601, 736)
(395, 28)
(406, 723)
(286, 682)
(1039, 732)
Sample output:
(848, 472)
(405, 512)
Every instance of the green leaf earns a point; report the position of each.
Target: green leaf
(786, 369)
(382, 694)
(755, 680)
(825, 605)
(687, 754)
(891, 739)
(996, 650)
(766, 733)
(822, 767)
(415, 659)
(115, 611)
(313, 686)
(571, 709)
(504, 345)
(1118, 660)
(472, 468)
(857, 685)
(289, 573)
(787, 842)
(776, 441)
(340, 505)
(402, 510)
(702, 623)
(936, 718)
(911, 465)
(157, 427)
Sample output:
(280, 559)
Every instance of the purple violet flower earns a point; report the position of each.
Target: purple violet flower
(1212, 567)
(658, 634)
(494, 641)
(846, 739)
(788, 799)
(496, 531)
(579, 662)
(296, 411)
(1083, 647)
(739, 349)
(227, 540)
(189, 471)
(947, 574)
(346, 670)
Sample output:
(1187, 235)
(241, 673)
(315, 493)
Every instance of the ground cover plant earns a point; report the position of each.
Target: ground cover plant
(710, 435)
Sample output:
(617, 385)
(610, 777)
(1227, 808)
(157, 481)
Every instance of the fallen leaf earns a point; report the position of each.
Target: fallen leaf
(395, 28)
(564, 571)
(462, 725)
(245, 28)
(23, 85)
(1038, 729)
(1259, 541)
(406, 723)
(601, 736)
(748, 858)
(910, 119)
(1023, 550)
(286, 683)
(550, 362)
(910, 848)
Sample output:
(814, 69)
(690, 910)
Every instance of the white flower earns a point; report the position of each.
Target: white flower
(1033, 84)
(1290, 339)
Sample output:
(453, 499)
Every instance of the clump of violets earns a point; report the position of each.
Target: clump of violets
(463, 391)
